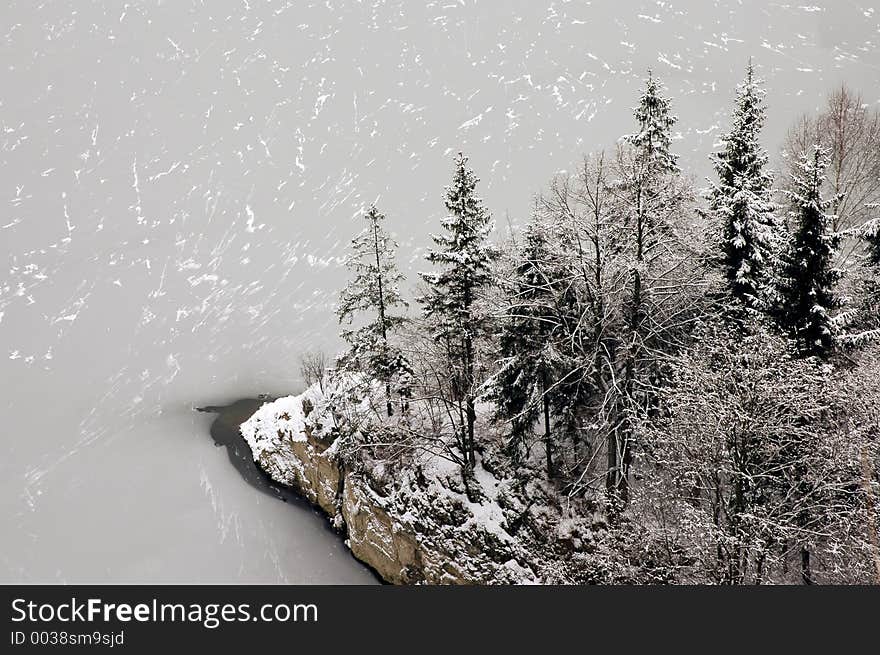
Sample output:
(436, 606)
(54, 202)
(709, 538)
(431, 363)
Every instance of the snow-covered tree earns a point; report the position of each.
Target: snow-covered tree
(871, 235)
(741, 199)
(522, 387)
(848, 128)
(808, 299)
(655, 120)
(588, 276)
(464, 256)
(651, 199)
(374, 291)
(862, 289)
(753, 472)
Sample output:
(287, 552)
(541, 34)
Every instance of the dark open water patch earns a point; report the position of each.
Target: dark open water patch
(225, 432)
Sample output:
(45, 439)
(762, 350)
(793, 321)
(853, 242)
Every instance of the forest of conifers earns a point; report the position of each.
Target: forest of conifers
(698, 367)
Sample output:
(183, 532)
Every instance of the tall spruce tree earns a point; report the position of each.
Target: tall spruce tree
(808, 296)
(374, 290)
(522, 387)
(464, 257)
(655, 120)
(742, 200)
(650, 194)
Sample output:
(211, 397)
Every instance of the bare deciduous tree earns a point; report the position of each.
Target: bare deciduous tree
(754, 475)
(313, 367)
(849, 130)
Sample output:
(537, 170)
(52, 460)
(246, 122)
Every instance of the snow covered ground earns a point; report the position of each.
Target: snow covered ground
(178, 182)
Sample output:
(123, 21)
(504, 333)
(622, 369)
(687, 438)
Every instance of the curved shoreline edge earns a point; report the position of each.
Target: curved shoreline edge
(225, 431)
(407, 532)
(353, 510)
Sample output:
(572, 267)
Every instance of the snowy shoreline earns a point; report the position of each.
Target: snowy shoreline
(409, 532)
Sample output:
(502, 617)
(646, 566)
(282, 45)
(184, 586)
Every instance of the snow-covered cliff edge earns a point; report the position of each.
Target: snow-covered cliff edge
(413, 525)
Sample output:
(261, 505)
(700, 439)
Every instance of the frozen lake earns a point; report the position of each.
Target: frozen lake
(179, 180)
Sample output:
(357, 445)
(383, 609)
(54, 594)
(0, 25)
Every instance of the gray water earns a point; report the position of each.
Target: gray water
(178, 181)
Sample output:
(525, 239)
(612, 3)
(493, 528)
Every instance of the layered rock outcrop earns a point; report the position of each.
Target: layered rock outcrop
(430, 535)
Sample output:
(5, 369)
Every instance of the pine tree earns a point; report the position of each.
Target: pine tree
(742, 199)
(374, 289)
(529, 361)
(655, 120)
(464, 257)
(808, 294)
(871, 297)
(650, 195)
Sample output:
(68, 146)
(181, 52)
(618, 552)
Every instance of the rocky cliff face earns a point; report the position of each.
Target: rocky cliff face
(392, 549)
(430, 535)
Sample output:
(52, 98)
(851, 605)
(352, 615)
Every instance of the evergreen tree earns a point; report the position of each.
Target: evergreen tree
(871, 295)
(464, 257)
(655, 122)
(742, 199)
(871, 236)
(808, 296)
(529, 360)
(650, 197)
(374, 289)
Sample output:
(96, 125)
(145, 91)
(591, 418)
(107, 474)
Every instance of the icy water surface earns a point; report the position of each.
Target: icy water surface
(178, 181)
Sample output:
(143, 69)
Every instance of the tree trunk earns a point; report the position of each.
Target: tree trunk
(382, 321)
(547, 444)
(612, 475)
(466, 473)
(388, 406)
(469, 377)
(622, 441)
(806, 572)
(471, 420)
